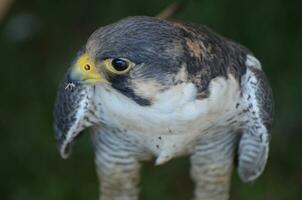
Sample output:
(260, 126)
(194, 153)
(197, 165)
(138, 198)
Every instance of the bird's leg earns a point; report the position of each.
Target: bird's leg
(211, 167)
(119, 181)
(117, 168)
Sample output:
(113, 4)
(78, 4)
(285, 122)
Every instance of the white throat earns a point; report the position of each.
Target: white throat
(175, 113)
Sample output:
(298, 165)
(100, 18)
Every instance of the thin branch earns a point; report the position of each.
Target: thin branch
(172, 9)
(4, 7)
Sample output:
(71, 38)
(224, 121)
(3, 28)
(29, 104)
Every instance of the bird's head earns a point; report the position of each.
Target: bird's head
(138, 56)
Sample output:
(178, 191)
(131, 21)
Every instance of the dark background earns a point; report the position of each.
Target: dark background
(38, 39)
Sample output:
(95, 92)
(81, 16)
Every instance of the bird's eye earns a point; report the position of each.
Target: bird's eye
(119, 64)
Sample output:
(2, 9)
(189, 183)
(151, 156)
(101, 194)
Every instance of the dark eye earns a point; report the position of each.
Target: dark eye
(119, 64)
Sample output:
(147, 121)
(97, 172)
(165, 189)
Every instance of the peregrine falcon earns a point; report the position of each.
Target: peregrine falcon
(153, 89)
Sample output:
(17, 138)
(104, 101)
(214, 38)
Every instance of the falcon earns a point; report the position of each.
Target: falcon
(153, 89)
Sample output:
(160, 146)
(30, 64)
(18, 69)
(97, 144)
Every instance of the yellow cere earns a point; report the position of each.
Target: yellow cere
(86, 66)
(85, 60)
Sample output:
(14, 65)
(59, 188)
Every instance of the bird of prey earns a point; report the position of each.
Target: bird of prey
(149, 88)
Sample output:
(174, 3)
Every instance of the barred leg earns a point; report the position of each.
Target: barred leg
(117, 166)
(211, 167)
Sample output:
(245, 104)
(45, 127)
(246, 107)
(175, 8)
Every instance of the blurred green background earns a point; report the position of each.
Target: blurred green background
(38, 39)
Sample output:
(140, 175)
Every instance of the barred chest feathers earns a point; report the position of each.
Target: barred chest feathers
(176, 120)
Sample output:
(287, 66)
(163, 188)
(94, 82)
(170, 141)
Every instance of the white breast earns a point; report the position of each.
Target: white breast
(176, 118)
